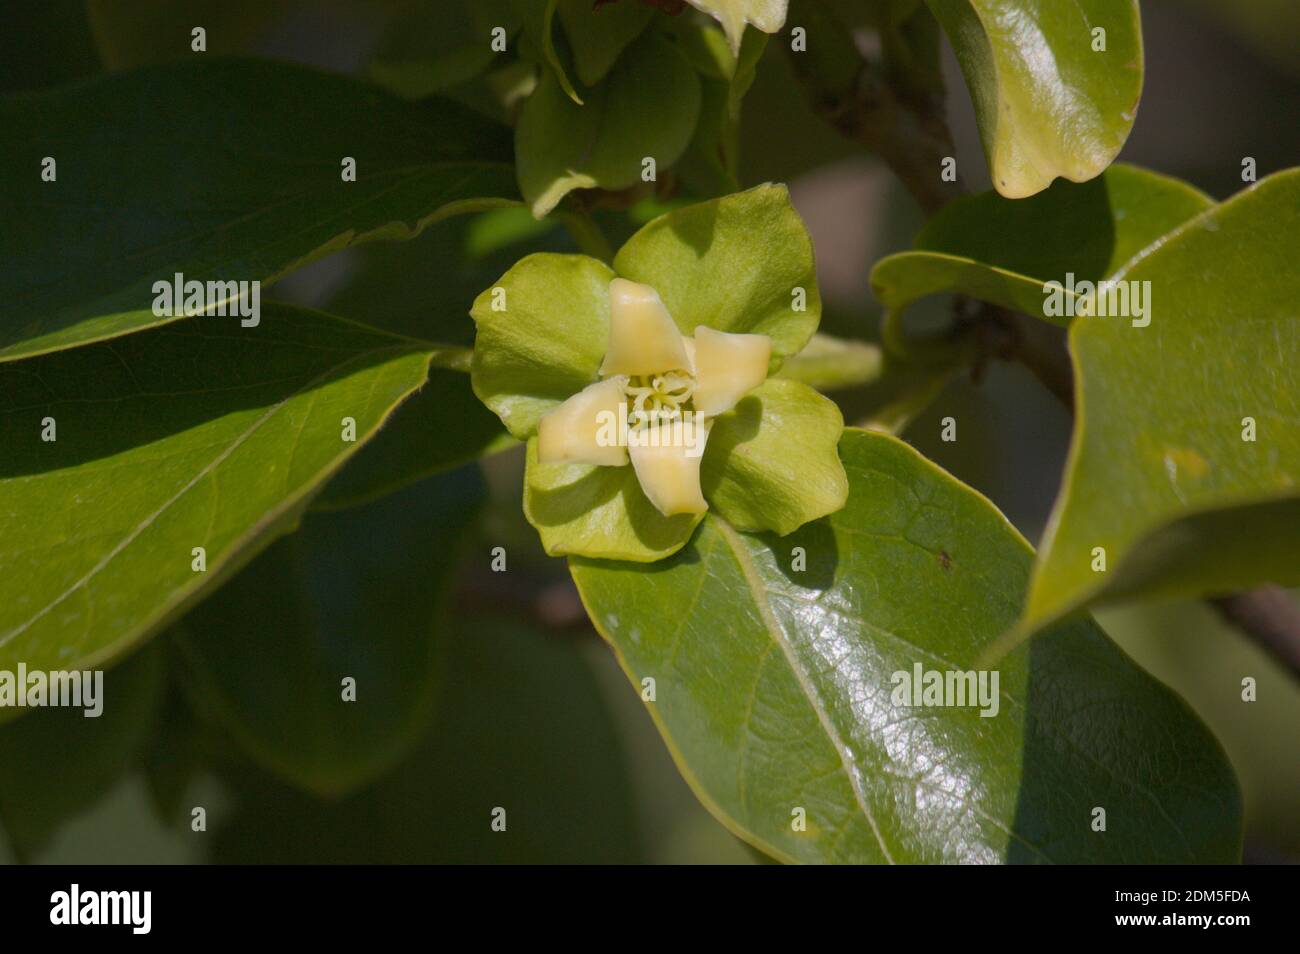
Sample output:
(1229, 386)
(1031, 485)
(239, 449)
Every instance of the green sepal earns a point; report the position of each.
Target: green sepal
(772, 461)
(542, 332)
(742, 263)
(599, 512)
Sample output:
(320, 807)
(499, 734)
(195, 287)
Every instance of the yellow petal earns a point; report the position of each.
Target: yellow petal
(727, 367)
(666, 458)
(643, 339)
(586, 428)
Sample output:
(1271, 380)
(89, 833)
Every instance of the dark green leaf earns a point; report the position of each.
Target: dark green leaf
(645, 108)
(56, 763)
(443, 424)
(222, 170)
(439, 427)
(519, 725)
(352, 595)
(131, 33)
(597, 35)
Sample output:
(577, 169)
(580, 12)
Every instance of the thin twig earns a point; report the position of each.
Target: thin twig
(910, 136)
(586, 234)
(1270, 617)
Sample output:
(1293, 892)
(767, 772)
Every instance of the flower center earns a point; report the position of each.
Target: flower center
(654, 398)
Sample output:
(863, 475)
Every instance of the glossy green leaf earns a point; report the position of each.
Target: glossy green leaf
(771, 461)
(742, 263)
(1160, 474)
(1003, 250)
(200, 434)
(775, 687)
(356, 595)
(598, 34)
(519, 725)
(581, 508)
(222, 170)
(1053, 96)
(542, 332)
(55, 763)
(766, 15)
(646, 108)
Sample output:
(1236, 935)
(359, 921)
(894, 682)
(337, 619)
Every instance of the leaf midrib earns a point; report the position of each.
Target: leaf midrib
(237, 545)
(773, 626)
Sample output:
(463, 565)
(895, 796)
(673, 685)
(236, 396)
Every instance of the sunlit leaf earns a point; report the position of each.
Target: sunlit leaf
(1185, 462)
(774, 664)
(202, 434)
(1055, 84)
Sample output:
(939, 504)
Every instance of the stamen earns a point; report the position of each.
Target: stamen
(658, 397)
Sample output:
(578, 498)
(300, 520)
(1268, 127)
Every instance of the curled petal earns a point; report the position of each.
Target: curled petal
(643, 339)
(666, 458)
(727, 367)
(586, 428)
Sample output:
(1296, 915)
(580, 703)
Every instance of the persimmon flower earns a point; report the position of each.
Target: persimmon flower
(646, 391)
(654, 404)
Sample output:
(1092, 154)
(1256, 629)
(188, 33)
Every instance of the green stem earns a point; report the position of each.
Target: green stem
(897, 415)
(587, 234)
(451, 357)
(835, 364)
(958, 347)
